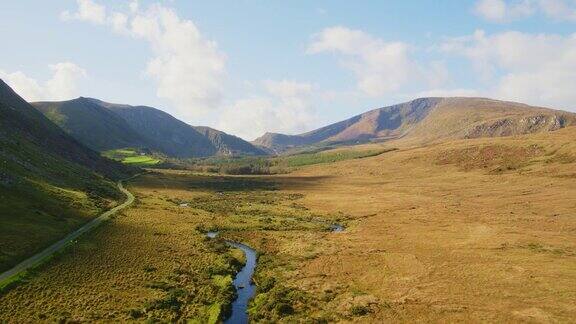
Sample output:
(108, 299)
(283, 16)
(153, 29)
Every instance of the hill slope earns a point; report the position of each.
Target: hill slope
(49, 182)
(91, 124)
(106, 126)
(227, 144)
(430, 119)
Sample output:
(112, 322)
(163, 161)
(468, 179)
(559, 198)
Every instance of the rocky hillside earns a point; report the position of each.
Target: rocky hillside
(226, 144)
(459, 118)
(429, 119)
(105, 126)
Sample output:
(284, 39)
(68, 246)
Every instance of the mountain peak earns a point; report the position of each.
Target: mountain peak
(427, 119)
(105, 126)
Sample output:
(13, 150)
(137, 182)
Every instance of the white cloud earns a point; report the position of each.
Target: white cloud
(380, 67)
(288, 89)
(505, 10)
(286, 108)
(559, 9)
(88, 10)
(491, 9)
(534, 68)
(187, 68)
(62, 85)
(134, 6)
(500, 10)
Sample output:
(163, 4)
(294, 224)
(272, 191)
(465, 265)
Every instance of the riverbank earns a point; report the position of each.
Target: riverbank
(153, 261)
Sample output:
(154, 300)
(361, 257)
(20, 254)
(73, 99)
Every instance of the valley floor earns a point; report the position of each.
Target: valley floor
(475, 231)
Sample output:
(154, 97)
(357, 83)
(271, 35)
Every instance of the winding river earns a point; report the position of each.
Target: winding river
(245, 288)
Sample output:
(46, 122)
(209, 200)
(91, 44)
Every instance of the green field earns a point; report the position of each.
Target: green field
(132, 157)
(329, 156)
(277, 164)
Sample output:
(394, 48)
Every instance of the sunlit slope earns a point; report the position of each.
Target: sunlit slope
(429, 119)
(441, 231)
(388, 122)
(460, 118)
(49, 183)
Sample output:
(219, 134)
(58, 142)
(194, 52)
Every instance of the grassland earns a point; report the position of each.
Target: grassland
(464, 231)
(154, 262)
(278, 164)
(43, 198)
(132, 157)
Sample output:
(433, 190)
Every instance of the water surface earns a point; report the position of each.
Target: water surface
(245, 289)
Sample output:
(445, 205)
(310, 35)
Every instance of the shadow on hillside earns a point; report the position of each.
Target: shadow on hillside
(162, 180)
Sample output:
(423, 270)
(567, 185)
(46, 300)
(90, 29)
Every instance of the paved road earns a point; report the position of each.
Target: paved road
(37, 258)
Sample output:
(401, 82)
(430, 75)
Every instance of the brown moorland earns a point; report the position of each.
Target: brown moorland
(470, 230)
(154, 262)
(467, 230)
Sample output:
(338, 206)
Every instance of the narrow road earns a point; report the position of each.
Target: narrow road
(37, 258)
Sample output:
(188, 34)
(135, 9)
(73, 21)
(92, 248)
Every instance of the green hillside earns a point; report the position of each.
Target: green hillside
(49, 183)
(91, 124)
(105, 126)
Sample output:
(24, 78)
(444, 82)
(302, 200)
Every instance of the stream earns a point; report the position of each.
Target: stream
(245, 288)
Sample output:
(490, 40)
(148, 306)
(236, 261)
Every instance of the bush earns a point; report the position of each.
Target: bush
(359, 310)
(283, 309)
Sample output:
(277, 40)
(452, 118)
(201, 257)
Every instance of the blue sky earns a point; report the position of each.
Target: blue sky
(252, 66)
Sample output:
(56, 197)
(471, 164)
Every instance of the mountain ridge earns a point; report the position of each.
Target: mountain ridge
(141, 127)
(428, 119)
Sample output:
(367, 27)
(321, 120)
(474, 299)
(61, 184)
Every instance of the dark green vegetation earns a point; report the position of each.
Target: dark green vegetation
(104, 126)
(427, 119)
(252, 210)
(132, 156)
(49, 183)
(274, 165)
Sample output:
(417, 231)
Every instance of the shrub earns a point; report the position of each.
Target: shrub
(359, 310)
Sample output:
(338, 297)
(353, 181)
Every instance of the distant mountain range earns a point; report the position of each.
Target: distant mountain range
(52, 179)
(105, 126)
(428, 119)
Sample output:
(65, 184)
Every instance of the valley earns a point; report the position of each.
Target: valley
(434, 210)
(467, 230)
(302, 162)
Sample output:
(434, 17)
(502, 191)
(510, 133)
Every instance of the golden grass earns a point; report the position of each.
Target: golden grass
(440, 237)
(466, 231)
(154, 262)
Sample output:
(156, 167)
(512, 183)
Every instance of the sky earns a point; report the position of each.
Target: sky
(253, 66)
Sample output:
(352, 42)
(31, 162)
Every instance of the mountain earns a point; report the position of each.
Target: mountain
(228, 144)
(105, 126)
(49, 182)
(91, 124)
(429, 119)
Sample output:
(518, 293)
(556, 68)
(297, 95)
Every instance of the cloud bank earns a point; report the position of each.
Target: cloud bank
(188, 68)
(534, 68)
(502, 11)
(286, 107)
(62, 85)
